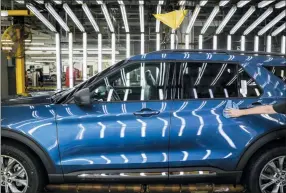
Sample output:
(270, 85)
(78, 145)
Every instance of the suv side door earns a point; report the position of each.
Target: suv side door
(200, 136)
(126, 128)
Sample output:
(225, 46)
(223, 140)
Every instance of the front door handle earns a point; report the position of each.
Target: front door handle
(146, 112)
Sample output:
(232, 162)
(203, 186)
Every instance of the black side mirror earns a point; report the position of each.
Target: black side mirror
(82, 97)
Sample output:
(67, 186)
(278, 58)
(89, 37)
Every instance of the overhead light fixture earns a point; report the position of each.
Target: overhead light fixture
(242, 20)
(223, 3)
(120, 2)
(242, 3)
(20, 1)
(141, 2)
(124, 16)
(272, 23)
(203, 3)
(41, 17)
(265, 3)
(258, 21)
(40, 1)
(279, 30)
(226, 19)
(182, 2)
(57, 17)
(141, 15)
(79, 1)
(90, 17)
(210, 19)
(73, 17)
(157, 21)
(161, 2)
(58, 1)
(99, 2)
(193, 19)
(280, 4)
(107, 16)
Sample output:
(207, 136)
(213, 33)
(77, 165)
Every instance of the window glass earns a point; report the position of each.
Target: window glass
(279, 71)
(212, 80)
(140, 81)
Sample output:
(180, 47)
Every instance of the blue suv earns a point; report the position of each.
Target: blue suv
(153, 118)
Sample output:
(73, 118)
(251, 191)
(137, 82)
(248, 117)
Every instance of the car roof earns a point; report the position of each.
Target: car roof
(262, 58)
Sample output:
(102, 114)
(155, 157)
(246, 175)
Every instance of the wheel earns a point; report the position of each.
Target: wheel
(267, 173)
(19, 170)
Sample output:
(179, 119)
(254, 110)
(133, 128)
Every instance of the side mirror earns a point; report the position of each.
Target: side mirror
(82, 97)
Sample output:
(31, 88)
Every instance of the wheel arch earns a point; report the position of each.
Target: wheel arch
(32, 145)
(276, 136)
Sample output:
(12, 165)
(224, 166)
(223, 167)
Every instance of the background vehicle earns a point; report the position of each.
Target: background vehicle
(157, 117)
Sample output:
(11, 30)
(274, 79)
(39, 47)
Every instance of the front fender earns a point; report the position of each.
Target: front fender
(258, 144)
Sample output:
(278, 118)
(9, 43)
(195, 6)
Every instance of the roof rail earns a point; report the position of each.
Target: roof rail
(229, 52)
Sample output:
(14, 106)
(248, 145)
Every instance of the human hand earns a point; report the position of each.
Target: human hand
(233, 112)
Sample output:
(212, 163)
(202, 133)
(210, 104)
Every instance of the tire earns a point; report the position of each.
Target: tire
(260, 165)
(32, 174)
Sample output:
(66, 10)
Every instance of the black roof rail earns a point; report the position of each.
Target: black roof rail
(229, 52)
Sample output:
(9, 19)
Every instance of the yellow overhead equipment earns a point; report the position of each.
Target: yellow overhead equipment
(13, 13)
(172, 19)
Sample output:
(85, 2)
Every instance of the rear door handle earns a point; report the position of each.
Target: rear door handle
(146, 112)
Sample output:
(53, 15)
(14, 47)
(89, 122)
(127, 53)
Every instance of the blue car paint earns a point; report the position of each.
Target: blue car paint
(85, 139)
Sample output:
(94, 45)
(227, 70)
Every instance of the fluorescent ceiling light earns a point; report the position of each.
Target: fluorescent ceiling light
(258, 21)
(124, 17)
(141, 15)
(120, 2)
(193, 19)
(182, 2)
(242, 20)
(157, 21)
(79, 1)
(203, 3)
(279, 30)
(265, 3)
(41, 17)
(161, 2)
(210, 19)
(141, 2)
(272, 23)
(280, 4)
(99, 2)
(53, 12)
(58, 1)
(107, 17)
(20, 1)
(226, 19)
(73, 17)
(90, 17)
(223, 3)
(242, 3)
(40, 1)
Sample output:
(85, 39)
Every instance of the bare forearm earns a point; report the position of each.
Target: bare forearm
(267, 109)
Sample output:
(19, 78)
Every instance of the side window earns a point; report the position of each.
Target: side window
(213, 80)
(136, 82)
(279, 71)
(247, 86)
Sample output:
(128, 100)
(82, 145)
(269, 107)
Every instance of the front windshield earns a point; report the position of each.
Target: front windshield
(66, 93)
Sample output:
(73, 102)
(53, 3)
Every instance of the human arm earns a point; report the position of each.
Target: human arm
(267, 109)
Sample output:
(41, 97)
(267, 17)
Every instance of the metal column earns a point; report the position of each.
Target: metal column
(99, 53)
(71, 78)
(113, 48)
(215, 42)
(256, 43)
(187, 41)
(229, 46)
(58, 61)
(283, 44)
(242, 43)
(84, 62)
(20, 70)
(127, 45)
(200, 42)
(268, 44)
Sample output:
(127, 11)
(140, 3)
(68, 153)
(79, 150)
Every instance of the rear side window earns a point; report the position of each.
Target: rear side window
(279, 71)
(212, 80)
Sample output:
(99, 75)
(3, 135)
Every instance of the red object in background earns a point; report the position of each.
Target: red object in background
(75, 75)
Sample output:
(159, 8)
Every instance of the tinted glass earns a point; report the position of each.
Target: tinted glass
(212, 80)
(136, 82)
(279, 71)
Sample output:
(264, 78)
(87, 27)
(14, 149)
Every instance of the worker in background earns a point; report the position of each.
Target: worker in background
(267, 109)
